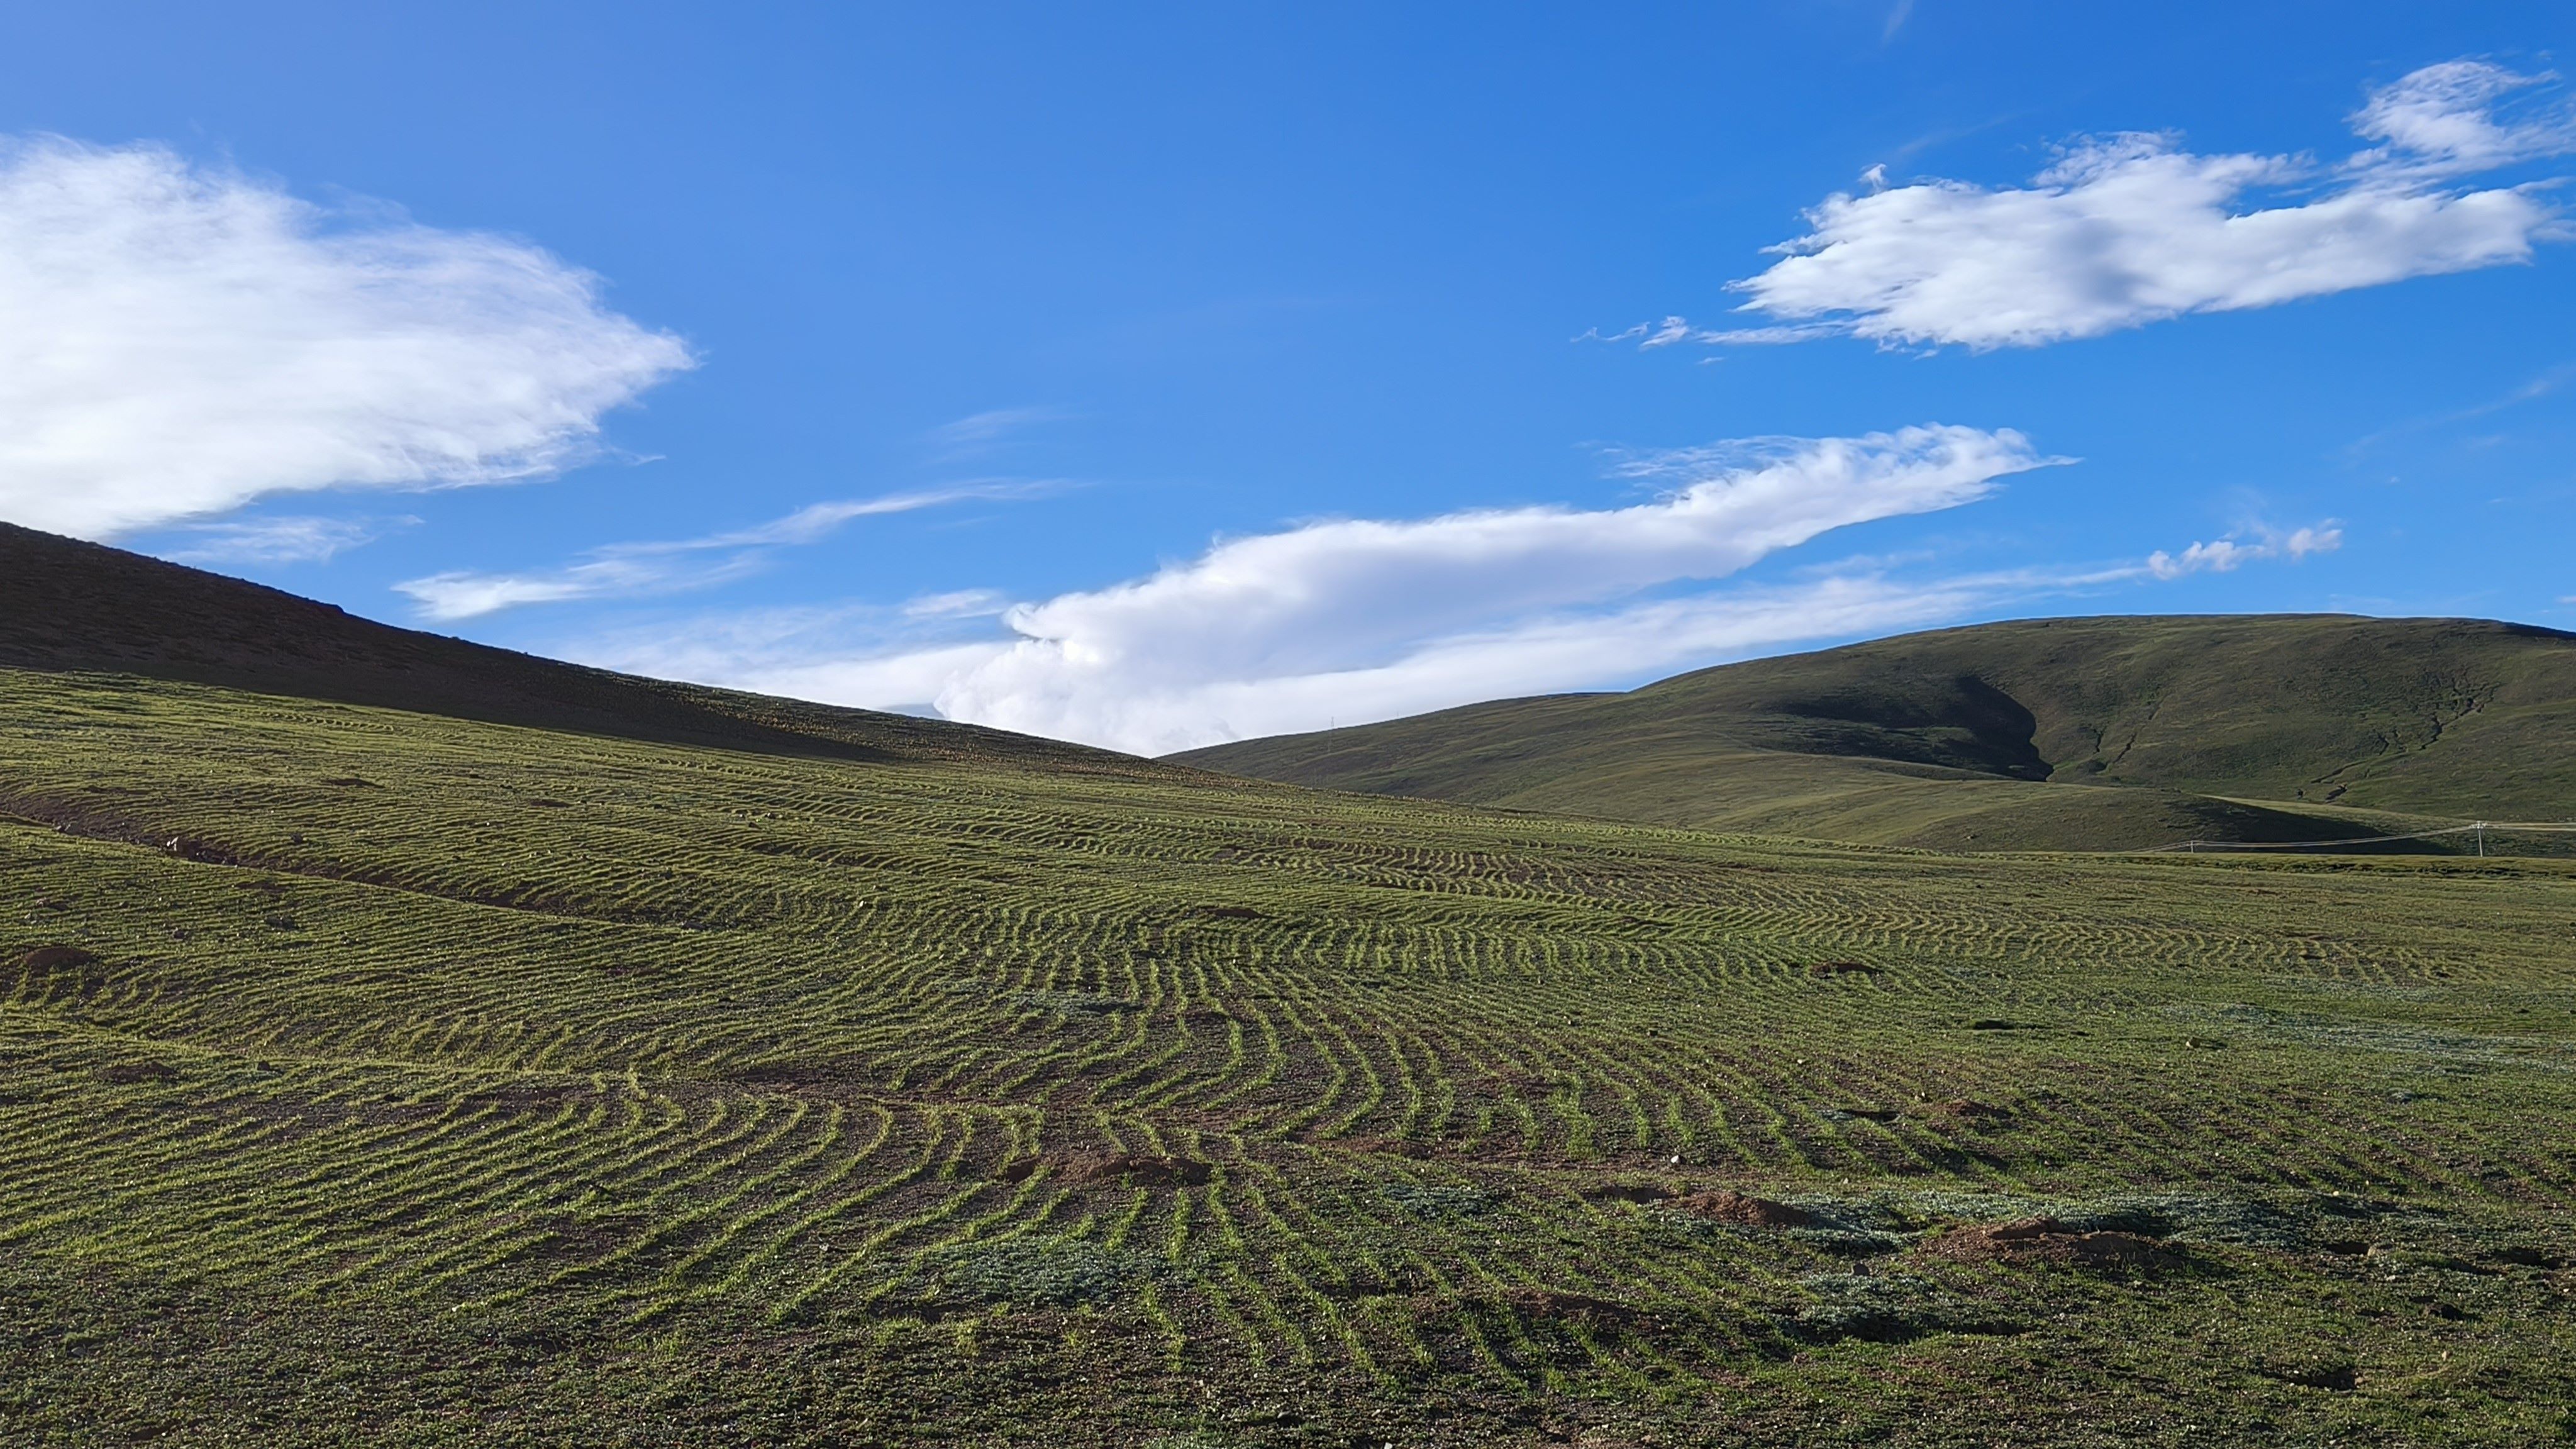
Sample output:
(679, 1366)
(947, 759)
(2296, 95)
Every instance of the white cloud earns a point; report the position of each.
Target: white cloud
(462, 594)
(1025, 689)
(808, 652)
(1360, 619)
(1534, 656)
(178, 340)
(625, 570)
(958, 604)
(2440, 121)
(2227, 554)
(978, 432)
(2132, 229)
(1294, 630)
(282, 540)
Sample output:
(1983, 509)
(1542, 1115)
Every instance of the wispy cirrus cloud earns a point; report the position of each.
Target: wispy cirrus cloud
(2548, 382)
(2131, 229)
(984, 431)
(1355, 618)
(281, 540)
(2440, 122)
(182, 339)
(628, 570)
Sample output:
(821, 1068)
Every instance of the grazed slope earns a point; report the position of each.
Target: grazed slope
(373, 1078)
(2226, 728)
(69, 605)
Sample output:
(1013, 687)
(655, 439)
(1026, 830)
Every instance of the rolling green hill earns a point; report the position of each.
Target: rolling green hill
(486, 1076)
(2045, 734)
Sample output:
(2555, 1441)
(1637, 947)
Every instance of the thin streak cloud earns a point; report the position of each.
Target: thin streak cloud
(632, 570)
(281, 540)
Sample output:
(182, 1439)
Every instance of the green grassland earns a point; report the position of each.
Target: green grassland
(372, 1076)
(2070, 734)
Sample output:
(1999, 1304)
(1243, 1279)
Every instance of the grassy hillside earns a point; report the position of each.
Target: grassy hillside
(379, 1077)
(2235, 728)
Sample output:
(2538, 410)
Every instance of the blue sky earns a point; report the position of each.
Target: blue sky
(1161, 375)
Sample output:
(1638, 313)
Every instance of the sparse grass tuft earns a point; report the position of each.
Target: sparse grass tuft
(1038, 1269)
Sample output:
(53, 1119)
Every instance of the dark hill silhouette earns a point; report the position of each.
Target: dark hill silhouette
(66, 605)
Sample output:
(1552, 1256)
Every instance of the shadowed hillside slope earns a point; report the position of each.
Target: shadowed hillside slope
(2282, 727)
(72, 607)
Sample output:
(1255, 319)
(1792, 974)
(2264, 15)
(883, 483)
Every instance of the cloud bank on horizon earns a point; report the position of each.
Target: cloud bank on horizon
(1356, 619)
(2131, 229)
(183, 340)
(1353, 620)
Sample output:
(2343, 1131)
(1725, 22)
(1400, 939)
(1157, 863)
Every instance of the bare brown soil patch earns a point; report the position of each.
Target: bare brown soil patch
(1127, 1169)
(2046, 1240)
(1724, 1205)
(1409, 1148)
(531, 1096)
(56, 958)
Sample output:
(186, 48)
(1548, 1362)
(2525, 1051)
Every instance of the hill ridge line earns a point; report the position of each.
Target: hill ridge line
(2251, 727)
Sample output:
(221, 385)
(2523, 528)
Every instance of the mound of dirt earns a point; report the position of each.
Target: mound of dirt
(56, 958)
(1842, 968)
(1961, 1109)
(2046, 1240)
(1724, 1205)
